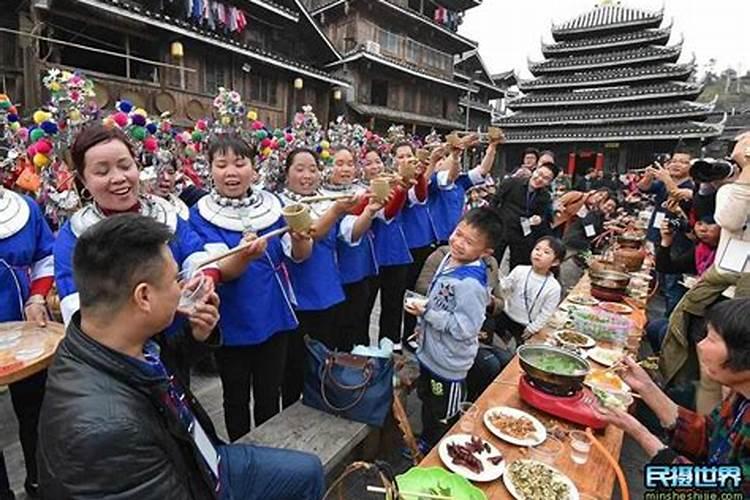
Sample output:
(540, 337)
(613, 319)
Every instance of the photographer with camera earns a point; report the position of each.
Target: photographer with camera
(673, 188)
(730, 269)
(694, 262)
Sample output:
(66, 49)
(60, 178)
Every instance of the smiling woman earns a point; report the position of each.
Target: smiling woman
(107, 178)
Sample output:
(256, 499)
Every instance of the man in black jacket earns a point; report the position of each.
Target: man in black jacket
(524, 207)
(114, 422)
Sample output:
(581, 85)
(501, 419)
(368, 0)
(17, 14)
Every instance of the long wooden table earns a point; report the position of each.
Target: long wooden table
(595, 478)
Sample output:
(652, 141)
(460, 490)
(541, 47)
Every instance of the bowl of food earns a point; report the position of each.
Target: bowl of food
(613, 399)
(574, 338)
(556, 370)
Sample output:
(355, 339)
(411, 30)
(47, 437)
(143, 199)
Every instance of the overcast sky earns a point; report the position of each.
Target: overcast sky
(509, 31)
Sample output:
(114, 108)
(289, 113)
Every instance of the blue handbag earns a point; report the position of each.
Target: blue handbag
(359, 388)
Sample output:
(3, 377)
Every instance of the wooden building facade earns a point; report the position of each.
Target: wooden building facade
(401, 56)
(164, 56)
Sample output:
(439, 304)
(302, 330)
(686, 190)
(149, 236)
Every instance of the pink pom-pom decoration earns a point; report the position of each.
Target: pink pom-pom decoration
(22, 133)
(201, 125)
(120, 118)
(257, 125)
(150, 144)
(43, 146)
(265, 143)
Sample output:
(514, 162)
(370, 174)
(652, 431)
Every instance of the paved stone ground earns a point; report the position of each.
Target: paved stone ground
(632, 457)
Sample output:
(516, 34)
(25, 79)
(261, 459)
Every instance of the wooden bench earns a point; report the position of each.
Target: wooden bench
(299, 427)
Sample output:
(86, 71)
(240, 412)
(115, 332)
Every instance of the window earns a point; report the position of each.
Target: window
(263, 89)
(379, 93)
(215, 74)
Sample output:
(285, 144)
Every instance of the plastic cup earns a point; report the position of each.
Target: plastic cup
(193, 289)
(580, 446)
(547, 452)
(469, 413)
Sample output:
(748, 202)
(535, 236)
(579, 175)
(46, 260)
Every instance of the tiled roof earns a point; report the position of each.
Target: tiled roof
(604, 17)
(610, 76)
(181, 26)
(608, 95)
(651, 36)
(628, 132)
(603, 114)
(278, 8)
(607, 59)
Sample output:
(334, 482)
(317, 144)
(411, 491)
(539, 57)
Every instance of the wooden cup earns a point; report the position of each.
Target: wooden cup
(381, 188)
(297, 217)
(408, 169)
(494, 133)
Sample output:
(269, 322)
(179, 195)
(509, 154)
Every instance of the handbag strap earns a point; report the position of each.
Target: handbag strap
(362, 388)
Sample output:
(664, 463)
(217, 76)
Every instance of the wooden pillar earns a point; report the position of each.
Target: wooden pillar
(32, 91)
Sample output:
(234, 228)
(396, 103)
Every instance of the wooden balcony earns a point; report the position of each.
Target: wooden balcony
(361, 34)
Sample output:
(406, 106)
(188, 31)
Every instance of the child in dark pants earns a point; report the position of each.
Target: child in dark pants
(450, 322)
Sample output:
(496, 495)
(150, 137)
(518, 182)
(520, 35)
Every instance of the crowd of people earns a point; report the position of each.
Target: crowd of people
(114, 415)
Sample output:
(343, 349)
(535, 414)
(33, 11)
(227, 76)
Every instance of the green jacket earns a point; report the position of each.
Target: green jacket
(676, 348)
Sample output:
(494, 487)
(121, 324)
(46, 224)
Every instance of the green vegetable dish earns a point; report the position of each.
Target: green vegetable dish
(558, 364)
(536, 481)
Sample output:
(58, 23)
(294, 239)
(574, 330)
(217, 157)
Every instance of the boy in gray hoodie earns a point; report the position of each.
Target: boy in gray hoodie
(449, 323)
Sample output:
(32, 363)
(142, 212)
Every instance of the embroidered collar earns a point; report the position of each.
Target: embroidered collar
(150, 206)
(223, 201)
(263, 211)
(339, 188)
(14, 213)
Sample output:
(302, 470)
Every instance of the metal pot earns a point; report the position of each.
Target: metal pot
(614, 280)
(555, 383)
(607, 294)
(631, 258)
(631, 239)
(599, 265)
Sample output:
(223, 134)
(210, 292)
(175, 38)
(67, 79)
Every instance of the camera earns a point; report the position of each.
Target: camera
(712, 169)
(661, 158)
(677, 224)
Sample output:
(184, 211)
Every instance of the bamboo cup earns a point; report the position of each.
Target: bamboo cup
(297, 217)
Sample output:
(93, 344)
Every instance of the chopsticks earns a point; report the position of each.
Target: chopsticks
(619, 363)
(379, 489)
(242, 246)
(329, 197)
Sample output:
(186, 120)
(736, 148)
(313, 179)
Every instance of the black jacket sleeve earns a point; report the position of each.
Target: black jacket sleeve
(681, 264)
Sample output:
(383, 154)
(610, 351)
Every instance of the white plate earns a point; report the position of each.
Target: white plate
(574, 495)
(605, 357)
(534, 440)
(616, 308)
(589, 381)
(490, 472)
(582, 300)
(29, 353)
(10, 339)
(589, 341)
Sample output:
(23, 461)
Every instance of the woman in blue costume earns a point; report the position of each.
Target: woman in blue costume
(256, 306)
(392, 254)
(107, 176)
(26, 269)
(316, 282)
(448, 186)
(356, 262)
